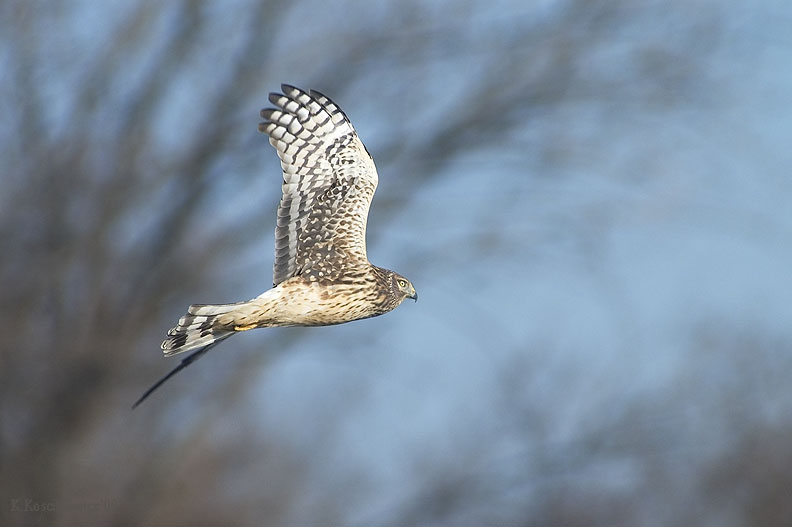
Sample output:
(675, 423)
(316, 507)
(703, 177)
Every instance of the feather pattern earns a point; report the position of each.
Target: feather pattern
(329, 179)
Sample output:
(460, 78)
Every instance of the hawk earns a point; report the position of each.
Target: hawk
(321, 274)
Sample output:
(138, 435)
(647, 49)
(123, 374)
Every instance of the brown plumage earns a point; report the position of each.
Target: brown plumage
(321, 274)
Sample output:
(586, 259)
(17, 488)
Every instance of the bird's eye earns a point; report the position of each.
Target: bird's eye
(402, 283)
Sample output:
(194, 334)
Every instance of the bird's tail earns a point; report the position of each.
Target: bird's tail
(202, 325)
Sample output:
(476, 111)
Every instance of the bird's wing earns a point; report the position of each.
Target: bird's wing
(329, 179)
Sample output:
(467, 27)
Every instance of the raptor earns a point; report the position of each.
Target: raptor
(321, 274)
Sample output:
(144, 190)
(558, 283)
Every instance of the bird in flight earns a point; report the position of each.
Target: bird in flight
(321, 274)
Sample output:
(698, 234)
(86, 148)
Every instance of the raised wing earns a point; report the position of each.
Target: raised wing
(329, 179)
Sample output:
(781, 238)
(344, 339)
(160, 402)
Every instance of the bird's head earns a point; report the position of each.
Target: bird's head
(402, 287)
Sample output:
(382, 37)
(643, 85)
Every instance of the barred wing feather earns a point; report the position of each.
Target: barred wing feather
(329, 179)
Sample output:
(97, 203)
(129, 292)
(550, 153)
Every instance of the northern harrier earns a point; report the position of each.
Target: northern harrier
(321, 274)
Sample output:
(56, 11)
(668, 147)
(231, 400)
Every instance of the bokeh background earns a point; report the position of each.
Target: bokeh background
(593, 198)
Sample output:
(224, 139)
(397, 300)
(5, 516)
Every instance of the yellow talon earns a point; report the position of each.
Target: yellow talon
(245, 327)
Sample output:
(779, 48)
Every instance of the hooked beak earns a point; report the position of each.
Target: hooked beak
(414, 295)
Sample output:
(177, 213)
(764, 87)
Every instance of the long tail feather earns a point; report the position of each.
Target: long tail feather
(202, 328)
(186, 361)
